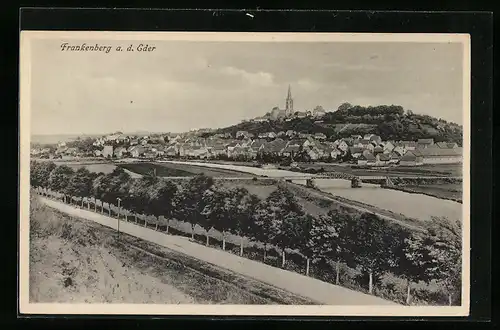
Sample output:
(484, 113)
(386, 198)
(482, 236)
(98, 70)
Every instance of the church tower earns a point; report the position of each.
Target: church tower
(289, 103)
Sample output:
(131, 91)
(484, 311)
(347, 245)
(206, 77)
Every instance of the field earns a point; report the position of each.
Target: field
(76, 260)
(444, 191)
(314, 206)
(148, 168)
(171, 169)
(96, 167)
(424, 170)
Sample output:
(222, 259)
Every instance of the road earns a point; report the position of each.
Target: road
(316, 290)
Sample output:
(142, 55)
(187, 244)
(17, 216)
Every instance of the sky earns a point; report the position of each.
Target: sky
(185, 85)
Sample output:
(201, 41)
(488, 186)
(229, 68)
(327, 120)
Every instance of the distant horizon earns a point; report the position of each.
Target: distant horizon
(188, 85)
(138, 131)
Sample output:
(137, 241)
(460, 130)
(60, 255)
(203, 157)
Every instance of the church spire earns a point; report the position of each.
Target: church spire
(289, 102)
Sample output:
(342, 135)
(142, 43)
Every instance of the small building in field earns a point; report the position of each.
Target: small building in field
(411, 158)
(107, 151)
(436, 155)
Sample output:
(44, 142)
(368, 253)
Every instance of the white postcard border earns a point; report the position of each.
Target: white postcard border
(25, 307)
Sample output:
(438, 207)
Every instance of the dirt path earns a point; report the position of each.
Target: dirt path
(322, 292)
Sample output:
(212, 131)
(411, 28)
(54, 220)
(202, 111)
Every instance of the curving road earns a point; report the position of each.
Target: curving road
(322, 292)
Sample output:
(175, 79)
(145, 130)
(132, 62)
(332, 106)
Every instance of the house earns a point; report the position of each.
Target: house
(399, 149)
(171, 151)
(425, 143)
(241, 134)
(107, 151)
(290, 133)
(382, 159)
(262, 135)
(318, 112)
(218, 150)
(304, 135)
(394, 158)
(119, 152)
(408, 145)
(320, 136)
(378, 150)
(388, 147)
(355, 152)
(281, 134)
(446, 145)
(196, 151)
(290, 150)
(97, 153)
(370, 158)
(296, 142)
(375, 138)
(436, 155)
(233, 145)
(343, 146)
(366, 158)
(366, 144)
(411, 158)
(258, 144)
(313, 153)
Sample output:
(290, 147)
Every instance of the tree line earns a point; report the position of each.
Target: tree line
(363, 241)
(390, 122)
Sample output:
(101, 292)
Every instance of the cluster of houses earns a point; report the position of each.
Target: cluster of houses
(368, 150)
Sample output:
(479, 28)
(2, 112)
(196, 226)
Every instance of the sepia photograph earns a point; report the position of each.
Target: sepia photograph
(221, 173)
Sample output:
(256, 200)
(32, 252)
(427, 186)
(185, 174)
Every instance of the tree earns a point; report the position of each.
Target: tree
(412, 256)
(160, 196)
(344, 107)
(40, 173)
(263, 222)
(59, 179)
(370, 245)
(217, 211)
(439, 253)
(244, 214)
(283, 210)
(329, 240)
(189, 203)
(80, 184)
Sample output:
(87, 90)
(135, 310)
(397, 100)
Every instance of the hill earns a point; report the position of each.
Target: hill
(390, 122)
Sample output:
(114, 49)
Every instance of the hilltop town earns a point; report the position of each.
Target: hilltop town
(311, 139)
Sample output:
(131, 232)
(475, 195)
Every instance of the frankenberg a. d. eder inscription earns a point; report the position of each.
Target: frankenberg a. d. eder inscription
(84, 47)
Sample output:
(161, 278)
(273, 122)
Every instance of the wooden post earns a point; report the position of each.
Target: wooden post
(337, 270)
(82, 202)
(135, 216)
(102, 207)
(307, 266)
(168, 222)
(408, 293)
(95, 204)
(109, 209)
(370, 283)
(283, 260)
(241, 246)
(88, 204)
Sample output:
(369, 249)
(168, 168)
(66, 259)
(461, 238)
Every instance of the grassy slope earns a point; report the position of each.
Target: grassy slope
(73, 260)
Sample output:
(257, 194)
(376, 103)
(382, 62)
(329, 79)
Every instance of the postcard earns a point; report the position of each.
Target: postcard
(273, 174)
